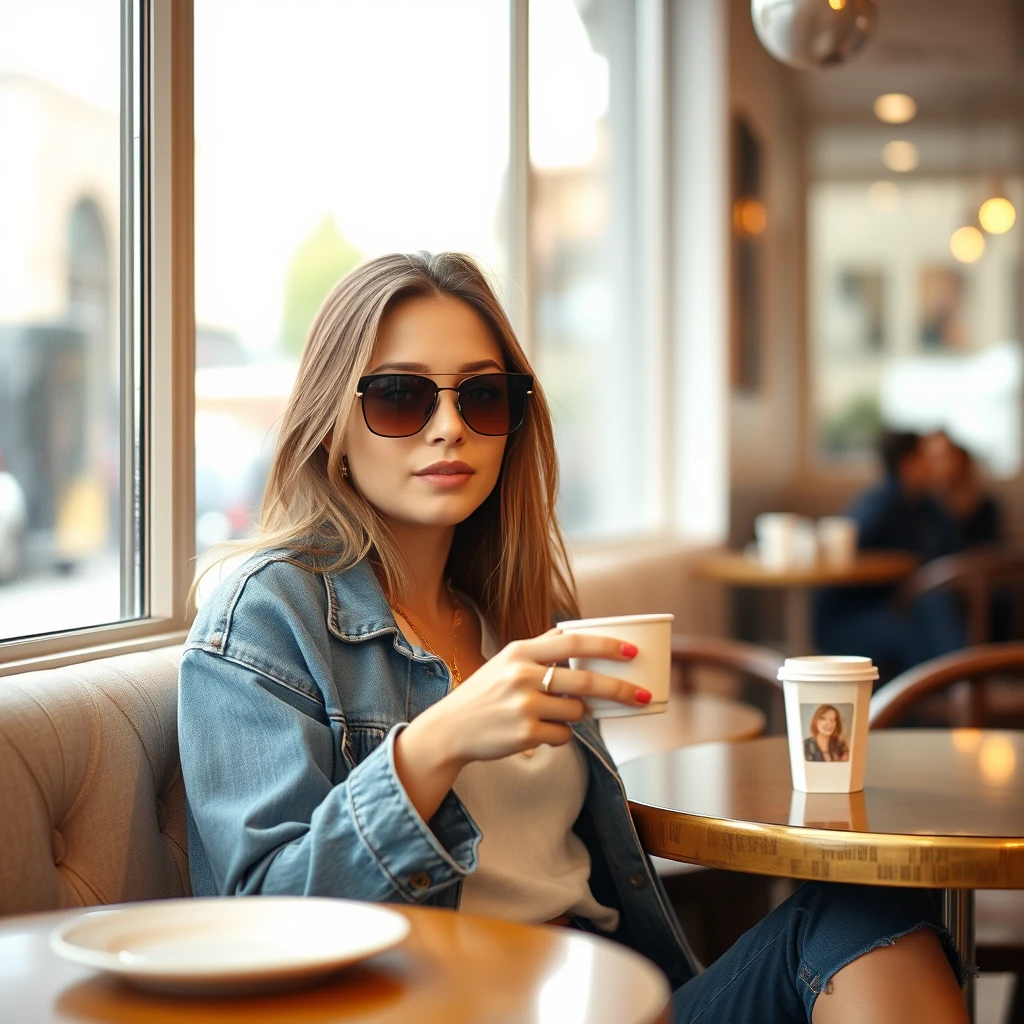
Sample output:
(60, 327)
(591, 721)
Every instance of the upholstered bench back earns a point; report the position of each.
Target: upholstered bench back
(92, 806)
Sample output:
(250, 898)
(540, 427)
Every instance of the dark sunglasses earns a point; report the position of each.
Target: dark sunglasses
(401, 404)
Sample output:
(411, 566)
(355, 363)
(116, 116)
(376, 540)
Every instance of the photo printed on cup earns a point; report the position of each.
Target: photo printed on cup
(827, 729)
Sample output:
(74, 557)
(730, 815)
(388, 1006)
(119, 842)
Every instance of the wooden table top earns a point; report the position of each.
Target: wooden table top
(452, 969)
(868, 568)
(940, 808)
(689, 718)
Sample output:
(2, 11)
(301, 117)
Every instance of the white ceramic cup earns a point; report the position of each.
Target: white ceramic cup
(827, 700)
(777, 539)
(650, 669)
(837, 541)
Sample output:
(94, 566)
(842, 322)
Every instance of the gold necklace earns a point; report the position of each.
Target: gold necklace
(453, 667)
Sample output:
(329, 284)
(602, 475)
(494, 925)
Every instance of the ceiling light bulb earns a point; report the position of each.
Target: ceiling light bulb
(895, 108)
(967, 244)
(899, 156)
(997, 215)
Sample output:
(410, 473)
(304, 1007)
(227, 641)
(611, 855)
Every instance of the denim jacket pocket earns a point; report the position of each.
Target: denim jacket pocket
(362, 740)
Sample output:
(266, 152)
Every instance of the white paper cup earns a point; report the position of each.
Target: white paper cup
(837, 541)
(651, 668)
(777, 539)
(827, 700)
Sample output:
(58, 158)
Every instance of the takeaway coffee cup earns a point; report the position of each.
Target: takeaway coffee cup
(651, 668)
(827, 700)
(837, 541)
(778, 539)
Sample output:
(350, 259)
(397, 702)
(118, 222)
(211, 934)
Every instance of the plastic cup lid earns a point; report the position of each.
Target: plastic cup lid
(827, 668)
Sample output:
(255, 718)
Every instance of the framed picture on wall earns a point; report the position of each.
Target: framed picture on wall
(749, 221)
(855, 316)
(942, 308)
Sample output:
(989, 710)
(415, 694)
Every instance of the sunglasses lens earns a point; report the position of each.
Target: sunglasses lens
(493, 403)
(398, 405)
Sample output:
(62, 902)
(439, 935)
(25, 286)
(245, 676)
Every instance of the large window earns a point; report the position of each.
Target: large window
(915, 298)
(525, 134)
(69, 339)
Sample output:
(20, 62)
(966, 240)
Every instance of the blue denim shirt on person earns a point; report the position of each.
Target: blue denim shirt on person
(294, 684)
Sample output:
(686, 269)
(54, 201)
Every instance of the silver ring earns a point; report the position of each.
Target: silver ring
(548, 676)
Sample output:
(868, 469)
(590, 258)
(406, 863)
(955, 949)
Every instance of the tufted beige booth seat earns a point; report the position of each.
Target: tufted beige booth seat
(92, 805)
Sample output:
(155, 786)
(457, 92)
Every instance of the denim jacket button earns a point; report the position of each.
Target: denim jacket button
(638, 881)
(421, 880)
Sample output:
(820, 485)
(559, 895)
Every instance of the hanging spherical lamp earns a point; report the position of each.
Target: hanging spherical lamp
(814, 33)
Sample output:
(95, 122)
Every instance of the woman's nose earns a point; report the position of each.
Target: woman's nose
(445, 424)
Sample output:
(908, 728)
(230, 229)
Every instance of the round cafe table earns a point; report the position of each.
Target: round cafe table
(940, 809)
(452, 969)
(869, 568)
(689, 718)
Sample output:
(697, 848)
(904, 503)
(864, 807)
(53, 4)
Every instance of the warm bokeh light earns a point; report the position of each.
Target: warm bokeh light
(895, 108)
(967, 741)
(967, 244)
(749, 217)
(837, 5)
(884, 196)
(997, 760)
(997, 215)
(899, 156)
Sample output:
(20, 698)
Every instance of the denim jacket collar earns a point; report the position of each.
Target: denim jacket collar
(357, 607)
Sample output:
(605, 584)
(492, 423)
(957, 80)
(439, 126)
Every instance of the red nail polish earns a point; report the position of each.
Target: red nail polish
(629, 650)
(644, 696)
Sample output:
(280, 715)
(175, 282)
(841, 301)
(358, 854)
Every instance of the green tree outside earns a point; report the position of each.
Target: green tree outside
(323, 257)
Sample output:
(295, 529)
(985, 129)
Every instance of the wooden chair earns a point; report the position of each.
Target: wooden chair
(754, 665)
(999, 913)
(975, 575)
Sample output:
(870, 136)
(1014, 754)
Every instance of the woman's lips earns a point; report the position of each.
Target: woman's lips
(446, 475)
(445, 480)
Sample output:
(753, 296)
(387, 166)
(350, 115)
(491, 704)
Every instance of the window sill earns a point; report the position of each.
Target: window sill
(69, 649)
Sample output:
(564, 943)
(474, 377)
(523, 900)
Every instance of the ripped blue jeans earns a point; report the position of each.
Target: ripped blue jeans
(777, 969)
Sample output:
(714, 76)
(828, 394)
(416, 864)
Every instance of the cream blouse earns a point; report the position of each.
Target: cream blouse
(532, 866)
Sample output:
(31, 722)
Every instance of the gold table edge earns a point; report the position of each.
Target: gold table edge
(796, 851)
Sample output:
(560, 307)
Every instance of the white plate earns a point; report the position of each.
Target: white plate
(232, 943)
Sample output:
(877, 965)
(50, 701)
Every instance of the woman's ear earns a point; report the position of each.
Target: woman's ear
(328, 439)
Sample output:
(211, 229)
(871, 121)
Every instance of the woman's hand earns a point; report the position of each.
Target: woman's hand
(502, 709)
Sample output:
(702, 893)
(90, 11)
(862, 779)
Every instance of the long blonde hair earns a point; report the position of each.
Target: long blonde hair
(509, 555)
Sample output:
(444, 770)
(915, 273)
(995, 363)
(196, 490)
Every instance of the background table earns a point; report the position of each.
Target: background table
(869, 568)
(452, 969)
(690, 718)
(940, 809)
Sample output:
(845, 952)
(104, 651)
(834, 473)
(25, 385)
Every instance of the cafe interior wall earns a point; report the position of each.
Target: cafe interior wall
(764, 412)
(951, 51)
(772, 465)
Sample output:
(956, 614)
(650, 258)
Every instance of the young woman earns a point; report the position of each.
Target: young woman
(826, 741)
(374, 705)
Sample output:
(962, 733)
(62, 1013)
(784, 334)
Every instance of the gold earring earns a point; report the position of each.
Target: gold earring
(344, 468)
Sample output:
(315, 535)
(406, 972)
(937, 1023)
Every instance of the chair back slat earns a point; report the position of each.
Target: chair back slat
(973, 665)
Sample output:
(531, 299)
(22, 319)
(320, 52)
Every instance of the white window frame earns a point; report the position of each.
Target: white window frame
(167, 392)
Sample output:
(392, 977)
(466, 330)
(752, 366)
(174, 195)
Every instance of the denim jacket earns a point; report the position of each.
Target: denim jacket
(294, 684)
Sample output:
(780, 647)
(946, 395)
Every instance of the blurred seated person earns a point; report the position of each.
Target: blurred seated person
(899, 514)
(956, 484)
